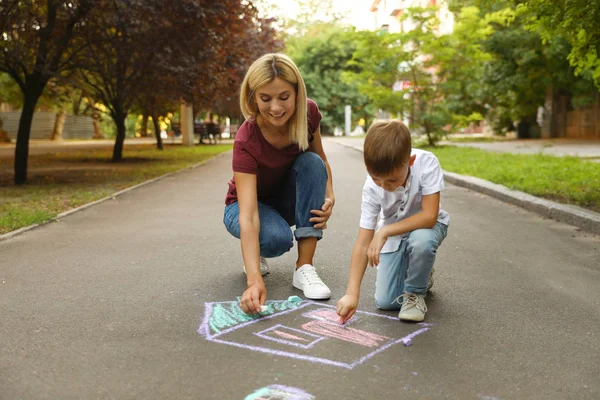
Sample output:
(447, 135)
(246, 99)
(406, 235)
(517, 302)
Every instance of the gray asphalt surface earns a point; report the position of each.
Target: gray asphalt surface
(106, 303)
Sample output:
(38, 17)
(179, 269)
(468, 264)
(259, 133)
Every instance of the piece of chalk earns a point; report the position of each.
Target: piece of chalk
(264, 308)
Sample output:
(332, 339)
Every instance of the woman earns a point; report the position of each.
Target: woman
(280, 178)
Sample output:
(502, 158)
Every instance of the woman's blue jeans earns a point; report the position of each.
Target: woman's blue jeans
(407, 269)
(303, 191)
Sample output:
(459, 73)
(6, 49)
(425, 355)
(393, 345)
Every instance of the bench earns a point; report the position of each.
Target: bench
(205, 131)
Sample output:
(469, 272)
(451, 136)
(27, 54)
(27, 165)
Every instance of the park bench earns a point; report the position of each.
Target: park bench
(206, 132)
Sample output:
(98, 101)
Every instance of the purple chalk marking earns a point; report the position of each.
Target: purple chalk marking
(407, 340)
(314, 338)
(205, 330)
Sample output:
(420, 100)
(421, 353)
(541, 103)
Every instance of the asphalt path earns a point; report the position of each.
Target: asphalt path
(135, 298)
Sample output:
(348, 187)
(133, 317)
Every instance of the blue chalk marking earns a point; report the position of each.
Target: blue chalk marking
(280, 392)
(226, 315)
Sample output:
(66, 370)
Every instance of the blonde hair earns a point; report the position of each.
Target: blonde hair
(265, 70)
(387, 146)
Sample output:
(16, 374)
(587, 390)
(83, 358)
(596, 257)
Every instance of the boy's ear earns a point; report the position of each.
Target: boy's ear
(412, 160)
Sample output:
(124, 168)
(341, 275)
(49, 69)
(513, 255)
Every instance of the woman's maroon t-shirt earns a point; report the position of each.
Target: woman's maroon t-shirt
(252, 154)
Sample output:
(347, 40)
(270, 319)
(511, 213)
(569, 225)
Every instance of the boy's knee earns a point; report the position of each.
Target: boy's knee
(384, 302)
(422, 241)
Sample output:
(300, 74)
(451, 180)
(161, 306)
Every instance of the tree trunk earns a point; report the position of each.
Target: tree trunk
(98, 134)
(159, 143)
(119, 118)
(31, 97)
(144, 129)
(59, 124)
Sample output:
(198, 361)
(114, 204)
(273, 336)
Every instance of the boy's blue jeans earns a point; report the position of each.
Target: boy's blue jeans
(303, 191)
(408, 268)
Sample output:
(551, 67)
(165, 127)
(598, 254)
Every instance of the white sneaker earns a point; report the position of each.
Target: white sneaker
(307, 280)
(413, 307)
(264, 267)
(430, 283)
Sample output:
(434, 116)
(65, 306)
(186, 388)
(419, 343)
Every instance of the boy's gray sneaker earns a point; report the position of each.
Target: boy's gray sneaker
(430, 282)
(413, 307)
(264, 267)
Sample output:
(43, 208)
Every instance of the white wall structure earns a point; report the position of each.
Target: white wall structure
(76, 127)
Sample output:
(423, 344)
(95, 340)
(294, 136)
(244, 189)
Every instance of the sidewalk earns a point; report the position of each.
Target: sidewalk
(554, 147)
(108, 302)
(580, 217)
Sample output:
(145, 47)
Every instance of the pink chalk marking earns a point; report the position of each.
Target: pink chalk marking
(289, 336)
(329, 315)
(352, 335)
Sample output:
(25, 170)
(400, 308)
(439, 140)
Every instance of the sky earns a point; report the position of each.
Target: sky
(357, 10)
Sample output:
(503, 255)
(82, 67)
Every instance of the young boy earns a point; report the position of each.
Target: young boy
(403, 191)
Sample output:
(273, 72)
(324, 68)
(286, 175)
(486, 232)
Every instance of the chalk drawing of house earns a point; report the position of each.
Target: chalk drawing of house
(306, 330)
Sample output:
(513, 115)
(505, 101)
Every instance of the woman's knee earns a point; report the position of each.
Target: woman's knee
(276, 243)
(231, 220)
(312, 162)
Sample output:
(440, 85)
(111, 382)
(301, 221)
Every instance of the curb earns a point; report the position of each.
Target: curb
(113, 196)
(584, 219)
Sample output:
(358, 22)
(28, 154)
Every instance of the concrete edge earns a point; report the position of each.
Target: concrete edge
(584, 219)
(64, 214)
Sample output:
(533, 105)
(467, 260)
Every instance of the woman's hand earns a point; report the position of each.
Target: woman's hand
(254, 297)
(375, 247)
(322, 215)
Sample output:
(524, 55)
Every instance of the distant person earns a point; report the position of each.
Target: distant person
(213, 131)
(401, 223)
(281, 178)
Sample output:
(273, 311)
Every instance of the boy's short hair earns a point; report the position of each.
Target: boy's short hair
(387, 147)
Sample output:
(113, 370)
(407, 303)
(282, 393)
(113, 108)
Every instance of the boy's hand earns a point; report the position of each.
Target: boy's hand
(254, 297)
(322, 215)
(346, 307)
(375, 248)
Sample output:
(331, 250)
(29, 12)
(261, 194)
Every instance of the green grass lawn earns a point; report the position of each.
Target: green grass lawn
(567, 180)
(62, 181)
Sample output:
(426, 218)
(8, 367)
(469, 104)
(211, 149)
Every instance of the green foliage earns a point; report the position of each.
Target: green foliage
(443, 72)
(523, 66)
(322, 57)
(577, 21)
(10, 92)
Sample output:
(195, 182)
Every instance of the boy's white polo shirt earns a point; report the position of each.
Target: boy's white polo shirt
(380, 207)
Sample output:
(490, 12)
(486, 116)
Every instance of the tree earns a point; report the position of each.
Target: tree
(322, 56)
(239, 36)
(398, 73)
(460, 62)
(117, 61)
(38, 41)
(522, 67)
(577, 21)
